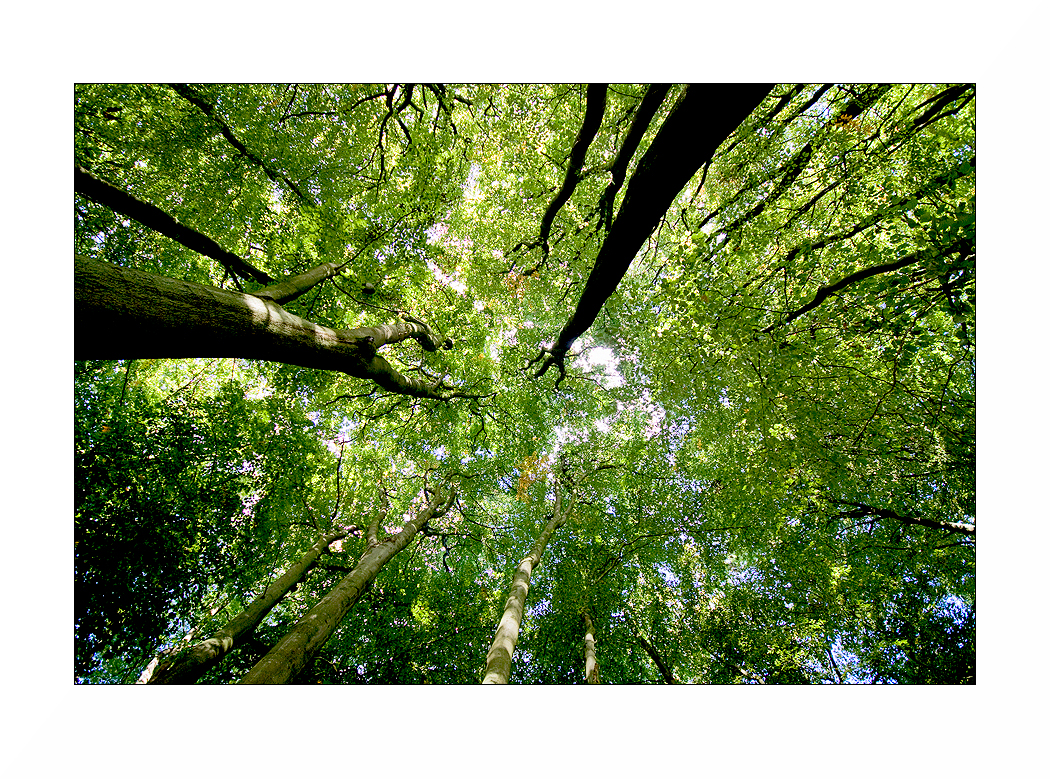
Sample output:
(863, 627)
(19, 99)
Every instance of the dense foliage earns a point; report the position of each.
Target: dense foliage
(769, 430)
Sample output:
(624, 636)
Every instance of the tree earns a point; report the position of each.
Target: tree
(497, 662)
(590, 668)
(297, 648)
(756, 463)
(188, 666)
(674, 156)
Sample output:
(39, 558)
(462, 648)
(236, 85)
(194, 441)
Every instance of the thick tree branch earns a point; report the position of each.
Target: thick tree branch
(824, 292)
(658, 661)
(428, 337)
(860, 510)
(287, 290)
(939, 101)
(106, 194)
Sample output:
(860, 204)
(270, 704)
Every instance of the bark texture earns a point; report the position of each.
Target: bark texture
(299, 646)
(122, 313)
(288, 290)
(149, 215)
(190, 665)
(701, 119)
(497, 662)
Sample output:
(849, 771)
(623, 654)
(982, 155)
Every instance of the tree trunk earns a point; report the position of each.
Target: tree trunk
(699, 122)
(174, 649)
(190, 665)
(122, 313)
(497, 662)
(590, 657)
(299, 646)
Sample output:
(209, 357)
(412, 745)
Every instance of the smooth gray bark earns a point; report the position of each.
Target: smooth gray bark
(299, 646)
(590, 655)
(287, 290)
(497, 661)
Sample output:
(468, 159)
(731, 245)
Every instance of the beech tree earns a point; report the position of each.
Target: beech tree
(304, 310)
(301, 643)
(188, 666)
(497, 664)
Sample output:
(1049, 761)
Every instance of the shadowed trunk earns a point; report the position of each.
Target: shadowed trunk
(651, 101)
(702, 118)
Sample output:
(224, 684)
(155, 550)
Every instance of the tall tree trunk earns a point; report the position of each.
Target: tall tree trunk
(123, 313)
(701, 119)
(497, 662)
(590, 656)
(175, 648)
(190, 665)
(299, 646)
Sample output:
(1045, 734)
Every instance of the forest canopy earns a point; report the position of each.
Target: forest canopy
(559, 383)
